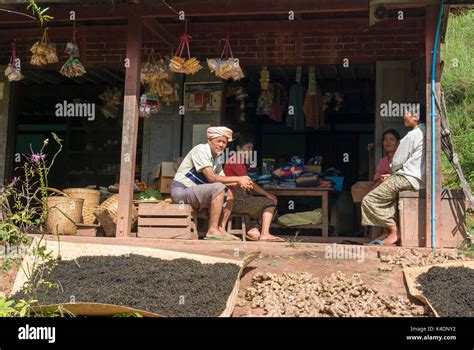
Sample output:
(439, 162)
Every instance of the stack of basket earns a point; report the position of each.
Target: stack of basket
(82, 206)
(64, 213)
(91, 202)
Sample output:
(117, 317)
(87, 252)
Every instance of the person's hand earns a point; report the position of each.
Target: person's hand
(273, 198)
(384, 177)
(245, 183)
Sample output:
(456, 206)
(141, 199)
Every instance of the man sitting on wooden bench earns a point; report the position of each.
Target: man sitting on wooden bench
(201, 183)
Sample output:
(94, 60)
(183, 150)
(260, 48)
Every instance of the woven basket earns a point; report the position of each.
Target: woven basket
(63, 213)
(91, 202)
(110, 206)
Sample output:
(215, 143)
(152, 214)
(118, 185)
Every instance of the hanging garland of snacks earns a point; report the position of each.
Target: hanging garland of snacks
(13, 70)
(178, 64)
(152, 70)
(44, 52)
(73, 66)
(264, 78)
(112, 99)
(227, 66)
(158, 79)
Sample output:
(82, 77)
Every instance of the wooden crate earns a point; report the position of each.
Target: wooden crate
(411, 211)
(88, 230)
(166, 221)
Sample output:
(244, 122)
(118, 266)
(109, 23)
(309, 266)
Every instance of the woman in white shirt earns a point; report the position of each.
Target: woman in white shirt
(379, 207)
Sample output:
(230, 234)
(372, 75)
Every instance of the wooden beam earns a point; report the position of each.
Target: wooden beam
(260, 7)
(194, 9)
(130, 124)
(430, 29)
(336, 25)
(323, 26)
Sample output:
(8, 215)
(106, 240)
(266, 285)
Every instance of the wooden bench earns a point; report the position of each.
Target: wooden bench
(244, 219)
(166, 221)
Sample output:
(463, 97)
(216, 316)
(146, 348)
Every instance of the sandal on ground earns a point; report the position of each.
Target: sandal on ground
(221, 237)
(273, 239)
(381, 243)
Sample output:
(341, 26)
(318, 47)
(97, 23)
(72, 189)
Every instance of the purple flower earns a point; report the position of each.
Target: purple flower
(14, 181)
(37, 157)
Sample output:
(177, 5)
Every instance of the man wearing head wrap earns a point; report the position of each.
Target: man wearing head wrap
(201, 183)
(408, 172)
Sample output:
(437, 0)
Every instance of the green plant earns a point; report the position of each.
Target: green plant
(291, 242)
(467, 247)
(150, 194)
(10, 308)
(458, 87)
(39, 12)
(24, 207)
(23, 202)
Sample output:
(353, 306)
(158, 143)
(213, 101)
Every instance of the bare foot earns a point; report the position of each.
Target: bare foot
(253, 234)
(391, 239)
(213, 231)
(223, 230)
(381, 237)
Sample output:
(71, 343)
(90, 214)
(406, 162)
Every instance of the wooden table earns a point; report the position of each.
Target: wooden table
(308, 192)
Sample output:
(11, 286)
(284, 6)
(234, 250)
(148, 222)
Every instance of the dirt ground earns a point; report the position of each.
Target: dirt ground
(318, 259)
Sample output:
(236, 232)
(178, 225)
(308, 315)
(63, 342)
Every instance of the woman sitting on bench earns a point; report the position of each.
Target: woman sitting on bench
(379, 207)
(257, 207)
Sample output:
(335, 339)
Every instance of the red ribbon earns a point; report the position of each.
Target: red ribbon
(184, 42)
(227, 51)
(13, 56)
(74, 33)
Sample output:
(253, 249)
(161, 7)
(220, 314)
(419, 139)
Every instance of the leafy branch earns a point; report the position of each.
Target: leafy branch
(39, 12)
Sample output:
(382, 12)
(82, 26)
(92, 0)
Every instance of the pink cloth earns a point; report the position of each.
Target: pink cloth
(383, 167)
(218, 131)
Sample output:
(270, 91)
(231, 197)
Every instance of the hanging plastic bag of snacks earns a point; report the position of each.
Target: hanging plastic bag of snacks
(149, 103)
(44, 52)
(72, 49)
(167, 89)
(158, 79)
(152, 70)
(73, 67)
(13, 70)
(178, 64)
(226, 67)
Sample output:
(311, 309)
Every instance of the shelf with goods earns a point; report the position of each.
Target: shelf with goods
(93, 152)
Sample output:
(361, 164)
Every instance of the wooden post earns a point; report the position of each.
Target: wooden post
(431, 16)
(130, 122)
